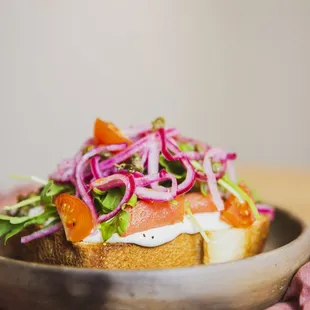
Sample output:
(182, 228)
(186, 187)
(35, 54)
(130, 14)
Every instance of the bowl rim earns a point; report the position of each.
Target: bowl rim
(304, 235)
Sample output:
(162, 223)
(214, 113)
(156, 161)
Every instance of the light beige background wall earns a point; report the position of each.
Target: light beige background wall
(235, 73)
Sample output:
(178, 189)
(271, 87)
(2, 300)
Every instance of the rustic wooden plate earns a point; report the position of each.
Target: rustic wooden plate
(252, 283)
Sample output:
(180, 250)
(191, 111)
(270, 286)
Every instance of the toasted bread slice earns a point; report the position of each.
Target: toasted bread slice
(236, 243)
(185, 250)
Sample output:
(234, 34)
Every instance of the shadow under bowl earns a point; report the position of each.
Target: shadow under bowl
(253, 283)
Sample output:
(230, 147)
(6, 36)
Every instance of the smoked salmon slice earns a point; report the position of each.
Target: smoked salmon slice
(151, 214)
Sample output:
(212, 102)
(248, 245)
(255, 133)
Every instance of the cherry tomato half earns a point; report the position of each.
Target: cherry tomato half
(236, 213)
(75, 216)
(108, 133)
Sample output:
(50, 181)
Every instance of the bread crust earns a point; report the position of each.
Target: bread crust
(185, 250)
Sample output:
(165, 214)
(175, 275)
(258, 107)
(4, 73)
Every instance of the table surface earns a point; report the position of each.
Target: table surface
(288, 188)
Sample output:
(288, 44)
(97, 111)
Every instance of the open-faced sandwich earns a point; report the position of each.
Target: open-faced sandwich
(144, 197)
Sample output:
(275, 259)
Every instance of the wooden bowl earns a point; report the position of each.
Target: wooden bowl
(252, 283)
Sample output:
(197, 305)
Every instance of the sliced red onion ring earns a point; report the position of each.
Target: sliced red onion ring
(111, 182)
(153, 163)
(79, 175)
(73, 181)
(137, 174)
(266, 209)
(94, 166)
(223, 158)
(192, 155)
(166, 144)
(201, 176)
(189, 181)
(147, 180)
(42, 233)
(145, 193)
(211, 179)
(144, 158)
(129, 151)
(153, 156)
(231, 171)
(163, 175)
(66, 169)
(125, 154)
(164, 149)
(133, 132)
(231, 156)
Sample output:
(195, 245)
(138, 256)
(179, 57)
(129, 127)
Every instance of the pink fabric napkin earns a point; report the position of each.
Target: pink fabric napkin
(298, 294)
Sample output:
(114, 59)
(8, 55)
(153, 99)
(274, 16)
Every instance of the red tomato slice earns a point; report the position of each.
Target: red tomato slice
(108, 133)
(75, 216)
(236, 213)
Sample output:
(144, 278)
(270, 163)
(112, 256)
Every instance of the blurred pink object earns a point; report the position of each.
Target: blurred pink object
(298, 293)
(9, 197)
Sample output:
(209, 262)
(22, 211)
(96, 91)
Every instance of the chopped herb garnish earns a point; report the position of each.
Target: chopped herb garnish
(158, 123)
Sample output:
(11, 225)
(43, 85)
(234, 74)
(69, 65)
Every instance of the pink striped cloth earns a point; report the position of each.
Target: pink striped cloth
(298, 294)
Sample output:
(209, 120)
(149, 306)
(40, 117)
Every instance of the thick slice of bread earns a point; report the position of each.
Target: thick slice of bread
(236, 243)
(185, 250)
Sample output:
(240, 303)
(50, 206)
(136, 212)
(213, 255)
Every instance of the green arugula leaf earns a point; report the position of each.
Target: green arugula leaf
(118, 224)
(173, 166)
(45, 197)
(44, 192)
(14, 219)
(110, 201)
(50, 190)
(108, 228)
(23, 203)
(15, 230)
(123, 219)
(5, 226)
(11, 226)
(186, 147)
(42, 218)
(99, 192)
(132, 201)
